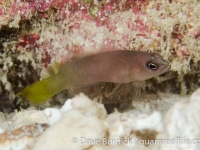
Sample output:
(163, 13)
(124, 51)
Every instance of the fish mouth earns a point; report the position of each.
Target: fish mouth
(165, 68)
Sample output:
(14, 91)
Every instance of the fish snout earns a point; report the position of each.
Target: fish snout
(165, 68)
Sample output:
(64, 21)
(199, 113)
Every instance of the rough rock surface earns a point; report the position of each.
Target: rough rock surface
(84, 124)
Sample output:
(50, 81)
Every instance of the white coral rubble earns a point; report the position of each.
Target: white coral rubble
(84, 124)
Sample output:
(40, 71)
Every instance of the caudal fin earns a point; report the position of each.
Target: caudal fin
(41, 91)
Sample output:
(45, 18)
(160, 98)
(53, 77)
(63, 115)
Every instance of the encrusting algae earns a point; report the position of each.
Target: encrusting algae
(113, 66)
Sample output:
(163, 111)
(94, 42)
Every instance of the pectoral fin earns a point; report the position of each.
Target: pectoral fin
(137, 88)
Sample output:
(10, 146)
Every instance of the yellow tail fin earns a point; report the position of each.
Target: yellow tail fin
(41, 91)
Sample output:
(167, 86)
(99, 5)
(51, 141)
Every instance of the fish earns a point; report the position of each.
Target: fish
(119, 66)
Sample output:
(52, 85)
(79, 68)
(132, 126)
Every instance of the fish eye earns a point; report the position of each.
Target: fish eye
(152, 66)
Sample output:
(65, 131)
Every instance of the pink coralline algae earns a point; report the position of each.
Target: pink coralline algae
(77, 12)
(29, 41)
(31, 6)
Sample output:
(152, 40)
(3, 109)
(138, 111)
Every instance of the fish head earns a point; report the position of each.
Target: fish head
(151, 65)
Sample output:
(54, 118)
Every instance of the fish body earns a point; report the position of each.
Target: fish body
(113, 66)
